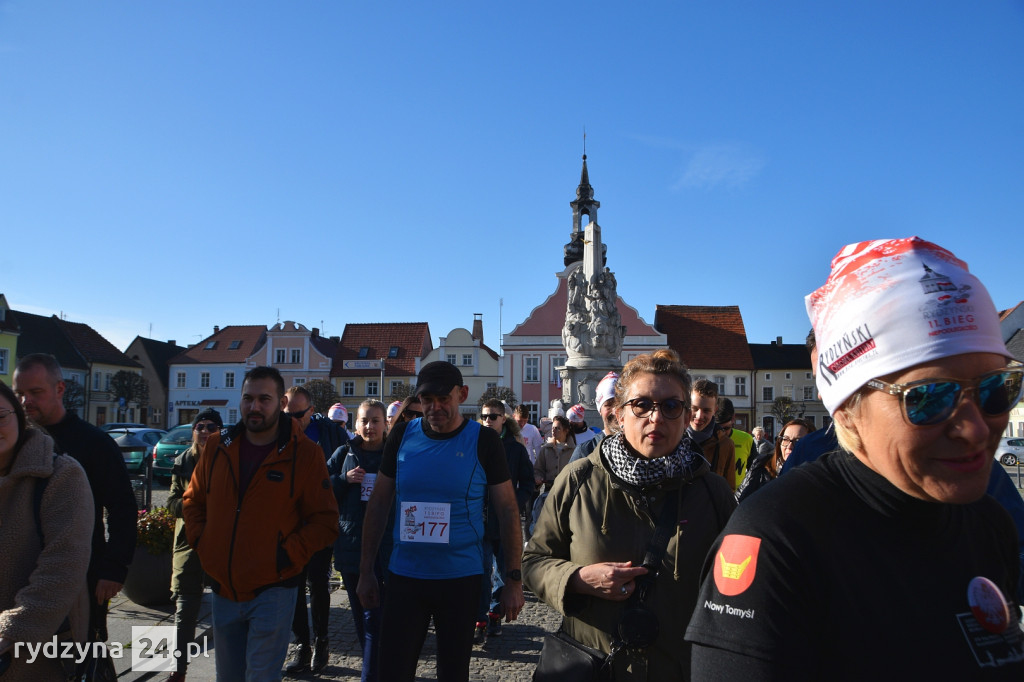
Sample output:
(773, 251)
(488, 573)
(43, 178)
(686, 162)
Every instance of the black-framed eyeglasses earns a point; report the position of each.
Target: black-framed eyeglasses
(489, 417)
(5, 415)
(786, 440)
(932, 401)
(645, 407)
(207, 426)
(300, 414)
(411, 414)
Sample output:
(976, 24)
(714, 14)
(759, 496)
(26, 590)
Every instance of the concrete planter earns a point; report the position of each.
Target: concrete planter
(149, 578)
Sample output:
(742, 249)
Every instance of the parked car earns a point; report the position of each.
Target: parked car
(175, 442)
(122, 425)
(135, 457)
(1010, 451)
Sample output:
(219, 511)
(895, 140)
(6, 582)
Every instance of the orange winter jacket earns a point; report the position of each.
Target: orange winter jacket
(265, 539)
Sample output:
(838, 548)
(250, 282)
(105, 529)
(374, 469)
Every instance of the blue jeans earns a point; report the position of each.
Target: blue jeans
(251, 637)
(491, 583)
(367, 626)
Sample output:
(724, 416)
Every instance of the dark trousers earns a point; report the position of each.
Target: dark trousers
(408, 607)
(489, 596)
(367, 626)
(318, 575)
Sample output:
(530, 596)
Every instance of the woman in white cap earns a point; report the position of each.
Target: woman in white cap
(884, 559)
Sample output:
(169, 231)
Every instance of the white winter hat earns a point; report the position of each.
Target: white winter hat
(576, 413)
(337, 413)
(393, 408)
(891, 304)
(606, 389)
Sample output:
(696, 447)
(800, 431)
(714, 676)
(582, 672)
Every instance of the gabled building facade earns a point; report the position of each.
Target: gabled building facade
(357, 373)
(783, 370)
(299, 353)
(480, 365)
(9, 331)
(155, 357)
(712, 342)
(209, 374)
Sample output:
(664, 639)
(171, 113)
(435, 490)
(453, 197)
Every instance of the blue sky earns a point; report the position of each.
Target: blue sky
(173, 165)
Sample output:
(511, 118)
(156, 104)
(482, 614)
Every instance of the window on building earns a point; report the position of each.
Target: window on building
(229, 379)
(279, 356)
(719, 381)
(809, 418)
(534, 413)
(210, 345)
(531, 369)
(467, 359)
(156, 416)
(348, 388)
(490, 386)
(235, 345)
(106, 383)
(232, 416)
(296, 356)
(364, 352)
(449, 358)
(789, 375)
(180, 380)
(3, 360)
(741, 385)
(808, 376)
(808, 392)
(396, 385)
(204, 380)
(393, 352)
(299, 381)
(787, 392)
(371, 387)
(556, 362)
(767, 393)
(96, 379)
(767, 376)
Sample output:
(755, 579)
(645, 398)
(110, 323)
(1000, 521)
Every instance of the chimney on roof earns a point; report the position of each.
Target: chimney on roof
(478, 327)
(172, 342)
(778, 340)
(336, 339)
(216, 329)
(315, 333)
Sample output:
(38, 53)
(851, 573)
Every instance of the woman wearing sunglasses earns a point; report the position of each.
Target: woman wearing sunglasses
(586, 557)
(885, 558)
(765, 468)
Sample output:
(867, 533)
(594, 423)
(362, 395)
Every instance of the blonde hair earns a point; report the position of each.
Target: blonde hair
(847, 436)
(665, 361)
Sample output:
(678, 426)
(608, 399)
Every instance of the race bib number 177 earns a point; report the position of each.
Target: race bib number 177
(425, 522)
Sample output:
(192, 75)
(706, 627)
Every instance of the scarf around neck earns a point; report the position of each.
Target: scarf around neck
(683, 462)
(703, 434)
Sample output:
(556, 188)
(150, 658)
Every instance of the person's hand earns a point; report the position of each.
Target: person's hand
(355, 475)
(512, 600)
(611, 580)
(367, 589)
(106, 589)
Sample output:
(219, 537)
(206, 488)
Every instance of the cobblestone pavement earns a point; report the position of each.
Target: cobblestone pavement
(511, 656)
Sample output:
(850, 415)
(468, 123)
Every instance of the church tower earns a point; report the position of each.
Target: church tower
(584, 205)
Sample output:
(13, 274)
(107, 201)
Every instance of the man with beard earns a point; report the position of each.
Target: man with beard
(39, 384)
(438, 466)
(258, 507)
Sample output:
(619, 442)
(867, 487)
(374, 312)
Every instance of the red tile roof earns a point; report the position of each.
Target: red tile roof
(93, 346)
(412, 338)
(249, 338)
(706, 337)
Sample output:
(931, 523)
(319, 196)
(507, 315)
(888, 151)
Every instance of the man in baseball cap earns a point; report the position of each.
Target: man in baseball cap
(440, 468)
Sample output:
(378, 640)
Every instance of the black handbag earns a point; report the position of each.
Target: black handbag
(563, 659)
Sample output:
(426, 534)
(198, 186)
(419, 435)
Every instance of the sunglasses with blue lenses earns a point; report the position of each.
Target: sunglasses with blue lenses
(932, 401)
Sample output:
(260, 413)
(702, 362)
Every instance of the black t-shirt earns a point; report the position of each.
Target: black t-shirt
(833, 573)
(489, 450)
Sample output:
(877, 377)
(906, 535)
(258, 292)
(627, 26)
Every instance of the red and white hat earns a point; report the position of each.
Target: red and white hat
(576, 413)
(338, 413)
(393, 408)
(606, 389)
(890, 304)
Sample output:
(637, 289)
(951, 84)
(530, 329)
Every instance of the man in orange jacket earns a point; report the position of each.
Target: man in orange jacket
(259, 505)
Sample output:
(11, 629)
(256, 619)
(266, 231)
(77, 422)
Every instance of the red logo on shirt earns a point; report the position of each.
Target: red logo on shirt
(736, 564)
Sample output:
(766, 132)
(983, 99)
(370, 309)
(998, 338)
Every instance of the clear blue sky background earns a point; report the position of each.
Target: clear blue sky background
(182, 164)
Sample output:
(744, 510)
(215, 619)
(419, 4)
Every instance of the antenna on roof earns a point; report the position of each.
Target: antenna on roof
(279, 315)
(584, 141)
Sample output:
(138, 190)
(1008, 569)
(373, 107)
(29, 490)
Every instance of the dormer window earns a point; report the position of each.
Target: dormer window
(210, 345)
(364, 352)
(235, 345)
(393, 352)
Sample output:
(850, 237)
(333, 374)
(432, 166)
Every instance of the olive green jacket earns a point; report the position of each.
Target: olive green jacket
(592, 516)
(186, 571)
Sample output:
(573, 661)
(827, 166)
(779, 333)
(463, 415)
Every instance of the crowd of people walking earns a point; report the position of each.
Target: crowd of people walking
(673, 545)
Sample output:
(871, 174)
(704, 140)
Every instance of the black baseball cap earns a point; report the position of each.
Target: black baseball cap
(438, 378)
